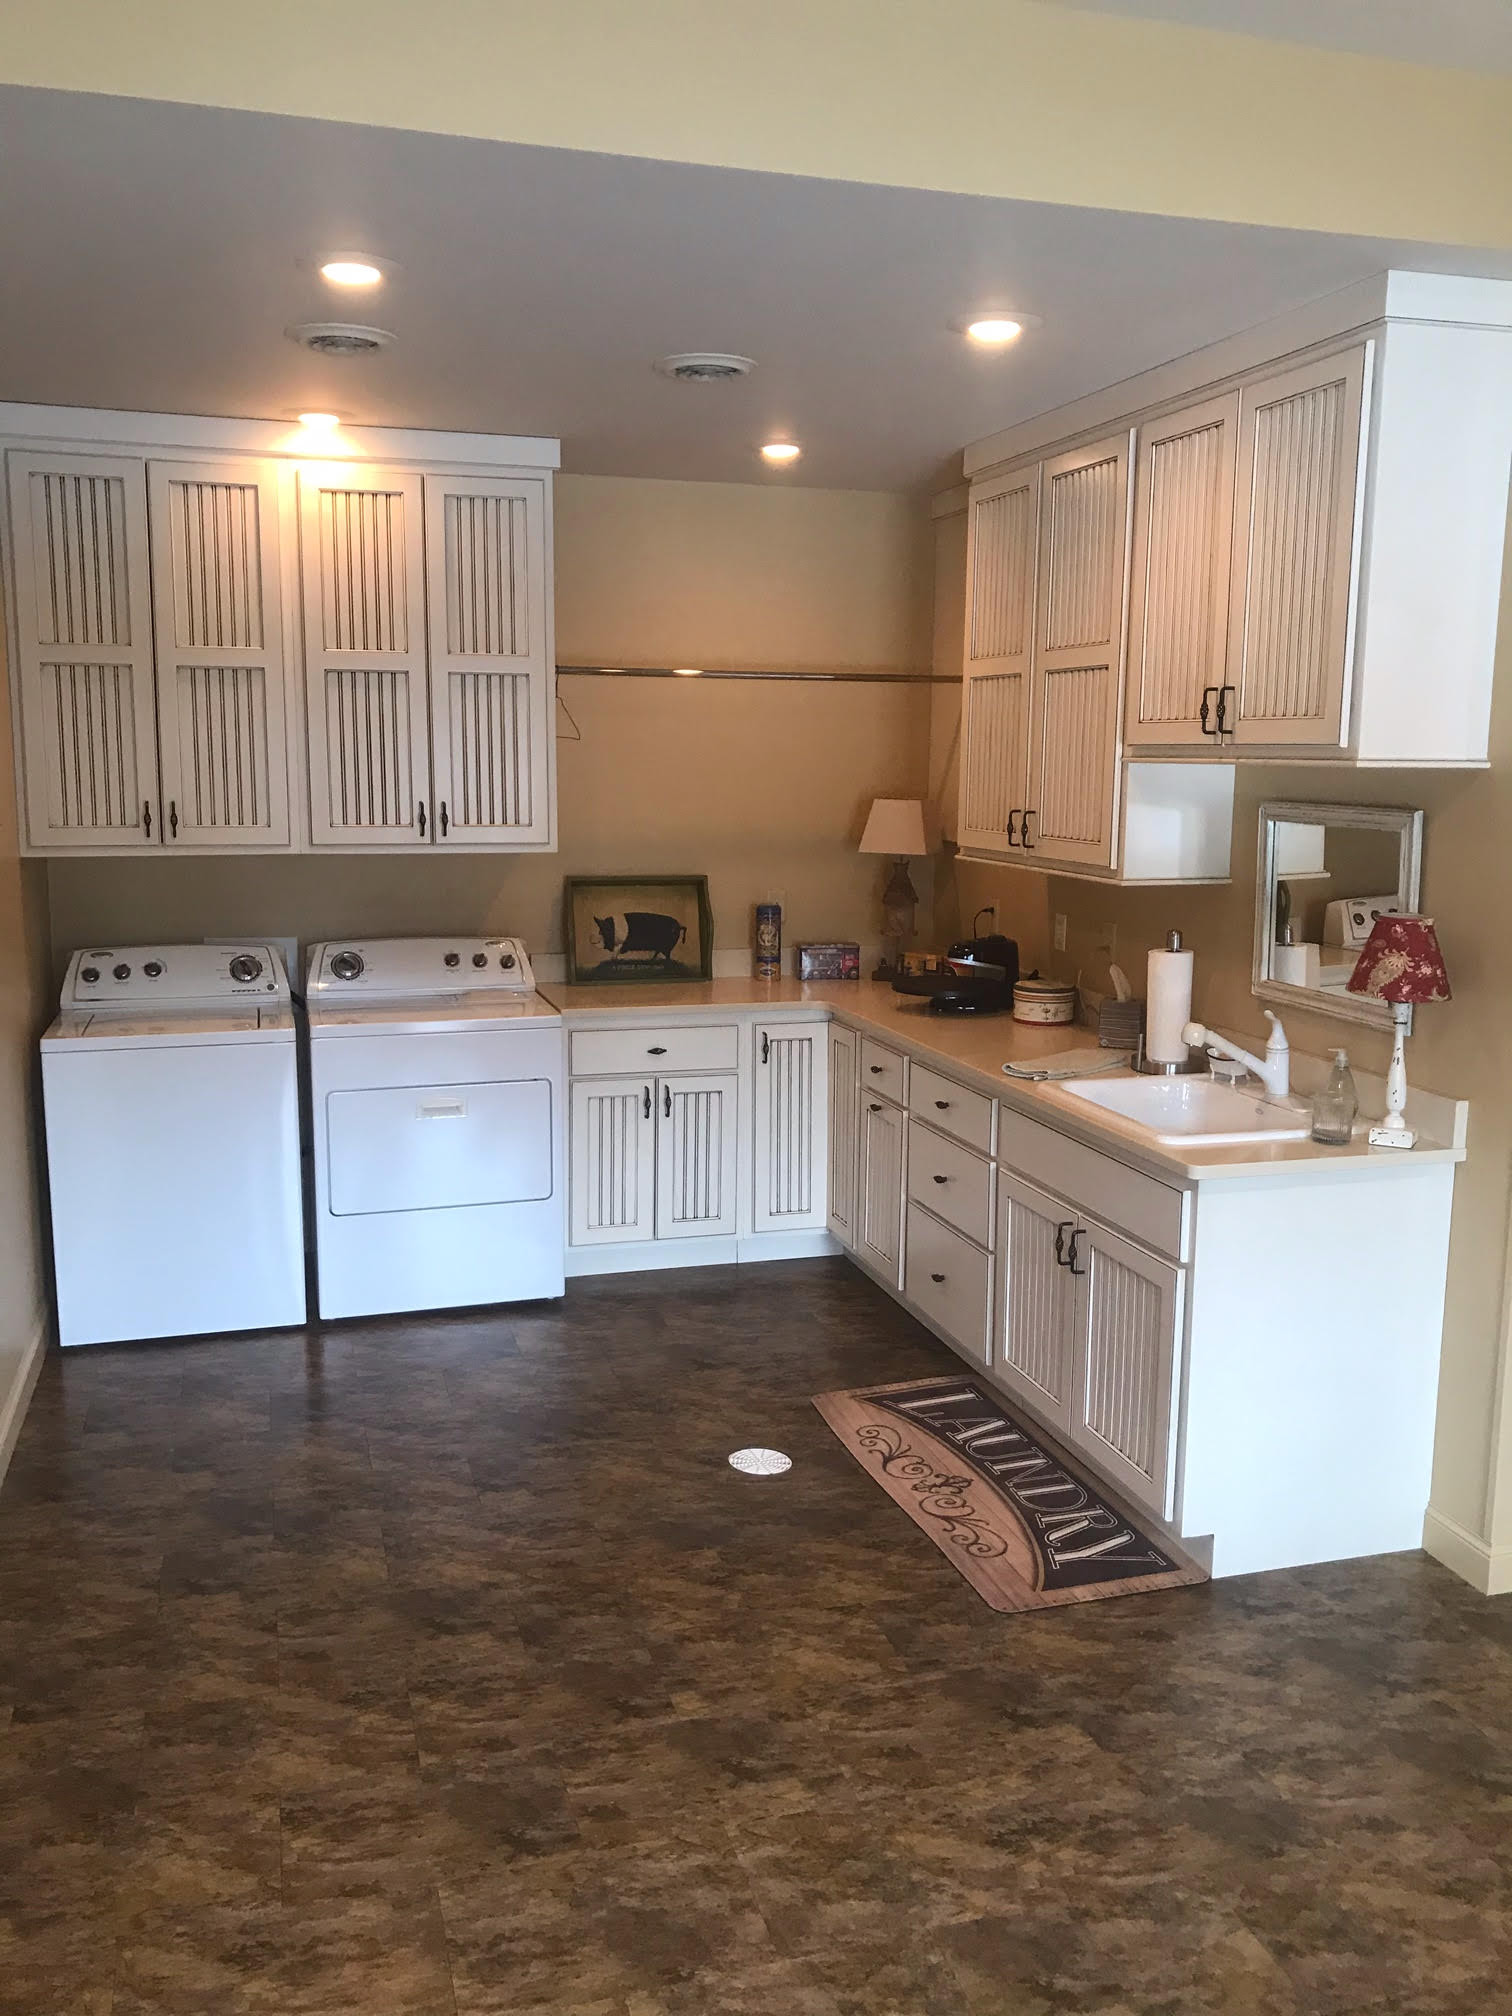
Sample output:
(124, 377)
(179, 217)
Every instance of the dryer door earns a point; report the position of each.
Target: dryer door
(435, 1147)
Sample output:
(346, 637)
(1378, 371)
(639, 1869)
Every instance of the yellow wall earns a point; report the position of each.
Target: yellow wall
(1463, 1049)
(761, 787)
(24, 988)
(993, 97)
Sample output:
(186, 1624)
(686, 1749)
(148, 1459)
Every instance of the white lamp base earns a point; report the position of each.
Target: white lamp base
(1392, 1137)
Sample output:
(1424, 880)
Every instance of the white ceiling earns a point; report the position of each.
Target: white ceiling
(152, 254)
(1452, 34)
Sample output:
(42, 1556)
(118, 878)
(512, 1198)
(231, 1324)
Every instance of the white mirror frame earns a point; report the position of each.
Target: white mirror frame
(1408, 827)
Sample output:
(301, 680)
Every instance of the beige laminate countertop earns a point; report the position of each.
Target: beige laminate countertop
(974, 1048)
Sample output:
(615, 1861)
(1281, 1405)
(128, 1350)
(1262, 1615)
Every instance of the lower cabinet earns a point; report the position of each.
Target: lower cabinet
(879, 1188)
(1088, 1330)
(791, 1125)
(844, 1118)
(653, 1158)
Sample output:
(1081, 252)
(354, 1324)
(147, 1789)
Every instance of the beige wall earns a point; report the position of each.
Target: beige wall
(1463, 1049)
(993, 97)
(761, 787)
(24, 991)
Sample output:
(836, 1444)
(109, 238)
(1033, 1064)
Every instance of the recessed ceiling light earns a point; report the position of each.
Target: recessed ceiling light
(705, 367)
(351, 269)
(320, 423)
(997, 327)
(780, 452)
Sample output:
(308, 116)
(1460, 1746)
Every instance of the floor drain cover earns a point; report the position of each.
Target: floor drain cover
(760, 1462)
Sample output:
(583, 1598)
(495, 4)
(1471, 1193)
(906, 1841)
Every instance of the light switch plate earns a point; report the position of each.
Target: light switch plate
(1060, 931)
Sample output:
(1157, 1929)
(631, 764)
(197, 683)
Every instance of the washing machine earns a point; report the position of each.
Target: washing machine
(171, 1105)
(437, 1091)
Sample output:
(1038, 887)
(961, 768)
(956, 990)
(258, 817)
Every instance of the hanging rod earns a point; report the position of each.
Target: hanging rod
(719, 672)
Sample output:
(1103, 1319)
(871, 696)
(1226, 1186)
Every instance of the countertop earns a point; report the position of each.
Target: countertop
(974, 1048)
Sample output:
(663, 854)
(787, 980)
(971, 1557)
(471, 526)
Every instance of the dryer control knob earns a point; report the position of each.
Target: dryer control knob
(89, 975)
(452, 959)
(506, 960)
(153, 969)
(246, 967)
(347, 966)
(480, 958)
(121, 972)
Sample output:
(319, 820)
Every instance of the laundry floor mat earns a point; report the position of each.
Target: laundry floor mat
(1025, 1529)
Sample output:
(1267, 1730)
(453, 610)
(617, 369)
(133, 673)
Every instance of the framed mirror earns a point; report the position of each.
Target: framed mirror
(1324, 874)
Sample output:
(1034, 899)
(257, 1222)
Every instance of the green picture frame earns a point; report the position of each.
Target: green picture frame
(629, 930)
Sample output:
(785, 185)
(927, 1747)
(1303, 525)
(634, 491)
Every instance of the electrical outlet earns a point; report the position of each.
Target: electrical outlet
(1107, 942)
(1060, 931)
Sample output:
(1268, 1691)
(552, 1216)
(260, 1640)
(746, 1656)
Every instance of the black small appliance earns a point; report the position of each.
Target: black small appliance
(978, 978)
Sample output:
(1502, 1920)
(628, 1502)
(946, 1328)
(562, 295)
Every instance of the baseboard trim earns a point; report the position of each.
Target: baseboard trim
(13, 1407)
(808, 1245)
(1486, 1568)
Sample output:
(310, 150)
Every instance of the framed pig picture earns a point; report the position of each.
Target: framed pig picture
(626, 928)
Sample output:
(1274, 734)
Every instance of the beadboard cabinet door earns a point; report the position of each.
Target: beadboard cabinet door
(491, 672)
(1127, 1336)
(1032, 1352)
(1002, 549)
(844, 1104)
(222, 683)
(879, 1205)
(84, 673)
(1179, 580)
(366, 693)
(1078, 656)
(612, 1179)
(1291, 624)
(791, 1112)
(697, 1168)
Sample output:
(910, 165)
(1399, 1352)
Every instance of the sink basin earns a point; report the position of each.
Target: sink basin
(1198, 1112)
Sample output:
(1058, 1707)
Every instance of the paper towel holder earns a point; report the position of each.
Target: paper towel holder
(1151, 1067)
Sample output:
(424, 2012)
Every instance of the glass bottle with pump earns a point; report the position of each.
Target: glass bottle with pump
(1335, 1107)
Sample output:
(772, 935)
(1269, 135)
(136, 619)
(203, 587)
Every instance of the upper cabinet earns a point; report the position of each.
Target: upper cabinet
(249, 653)
(1315, 554)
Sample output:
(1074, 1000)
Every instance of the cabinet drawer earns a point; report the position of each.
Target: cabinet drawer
(951, 1108)
(883, 1071)
(950, 1280)
(950, 1181)
(1121, 1196)
(615, 1052)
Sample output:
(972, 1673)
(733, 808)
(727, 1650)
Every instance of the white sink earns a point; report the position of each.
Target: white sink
(1196, 1111)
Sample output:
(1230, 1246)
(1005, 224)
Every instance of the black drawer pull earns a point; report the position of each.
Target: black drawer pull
(937, 1277)
(657, 1050)
(942, 1105)
(876, 1069)
(872, 1106)
(942, 1179)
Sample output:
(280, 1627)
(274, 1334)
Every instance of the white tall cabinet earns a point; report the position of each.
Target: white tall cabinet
(238, 649)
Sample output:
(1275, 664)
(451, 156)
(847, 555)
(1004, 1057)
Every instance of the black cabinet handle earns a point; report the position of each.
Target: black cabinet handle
(766, 1048)
(657, 1050)
(646, 1108)
(422, 818)
(1060, 1240)
(937, 1277)
(1071, 1252)
(1025, 842)
(173, 818)
(445, 821)
(873, 1106)
(667, 1100)
(1225, 726)
(1205, 712)
(942, 1179)
(146, 818)
(1014, 814)
(875, 1069)
(942, 1105)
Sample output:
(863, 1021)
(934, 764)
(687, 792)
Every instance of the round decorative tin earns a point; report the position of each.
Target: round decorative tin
(768, 941)
(1044, 1001)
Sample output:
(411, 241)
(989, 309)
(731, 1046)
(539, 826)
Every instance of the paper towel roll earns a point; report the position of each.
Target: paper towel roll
(1168, 1006)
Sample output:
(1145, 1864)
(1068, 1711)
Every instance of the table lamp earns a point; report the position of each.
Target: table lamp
(895, 826)
(1402, 964)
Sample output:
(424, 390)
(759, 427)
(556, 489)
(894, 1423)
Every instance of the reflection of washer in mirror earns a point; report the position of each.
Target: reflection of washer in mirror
(1325, 873)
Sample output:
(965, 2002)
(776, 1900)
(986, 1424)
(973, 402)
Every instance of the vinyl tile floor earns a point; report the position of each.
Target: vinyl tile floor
(442, 1667)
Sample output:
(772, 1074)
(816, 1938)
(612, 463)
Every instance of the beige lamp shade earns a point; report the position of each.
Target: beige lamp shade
(894, 826)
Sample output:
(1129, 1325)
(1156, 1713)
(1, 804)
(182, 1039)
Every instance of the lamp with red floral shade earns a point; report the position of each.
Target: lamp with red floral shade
(1401, 964)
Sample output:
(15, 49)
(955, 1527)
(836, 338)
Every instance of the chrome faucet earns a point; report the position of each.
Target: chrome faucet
(1273, 1070)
